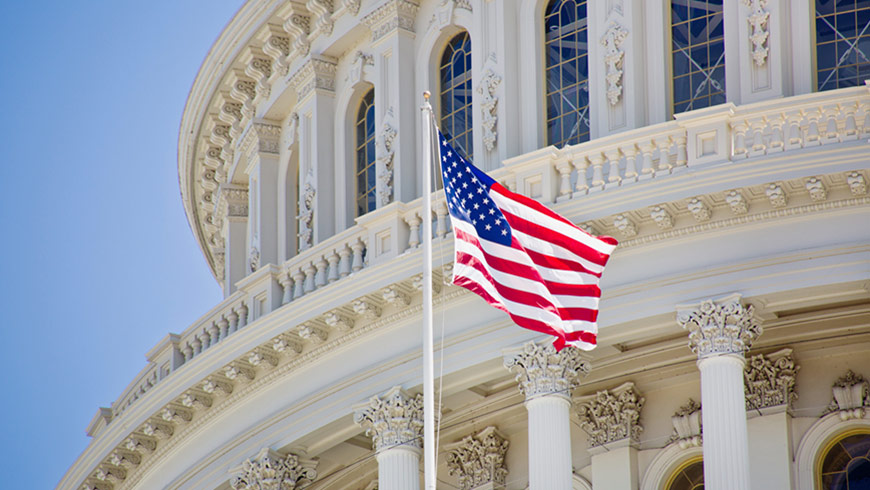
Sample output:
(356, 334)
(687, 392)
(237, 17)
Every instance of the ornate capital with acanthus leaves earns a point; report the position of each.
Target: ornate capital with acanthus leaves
(720, 326)
(479, 459)
(541, 370)
(270, 470)
(392, 419)
(769, 380)
(611, 415)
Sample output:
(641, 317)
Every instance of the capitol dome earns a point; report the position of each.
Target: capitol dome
(724, 144)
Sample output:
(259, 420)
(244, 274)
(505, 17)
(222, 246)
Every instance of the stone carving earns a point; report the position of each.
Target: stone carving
(699, 210)
(392, 15)
(626, 228)
(387, 141)
(111, 474)
(721, 326)
(357, 68)
(254, 259)
(322, 10)
(125, 459)
(306, 213)
(292, 128)
(687, 425)
(217, 386)
(479, 459)
(140, 443)
(338, 320)
(232, 202)
(258, 357)
(352, 6)
(317, 73)
(737, 202)
(158, 429)
(298, 25)
(196, 401)
(234, 371)
(177, 414)
(611, 415)
(281, 344)
(769, 380)
(393, 419)
(540, 370)
(489, 106)
(277, 47)
(851, 396)
(396, 296)
(759, 32)
(244, 91)
(776, 195)
(310, 332)
(612, 41)
(857, 184)
(661, 217)
(270, 470)
(366, 309)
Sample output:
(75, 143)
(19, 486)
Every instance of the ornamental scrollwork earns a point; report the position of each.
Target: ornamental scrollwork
(687, 425)
(721, 326)
(541, 370)
(759, 30)
(611, 415)
(769, 380)
(306, 213)
(851, 396)
(270, 470)
(614, 55)
(479, 459)
(392, 419)
(385, 170)
(489, 107)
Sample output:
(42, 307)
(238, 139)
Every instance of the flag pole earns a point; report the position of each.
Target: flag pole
(429, 469)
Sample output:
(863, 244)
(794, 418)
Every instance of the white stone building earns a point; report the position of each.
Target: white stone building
(725, 146)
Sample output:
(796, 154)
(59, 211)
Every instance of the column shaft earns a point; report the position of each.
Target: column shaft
(726, 448)
(399, 468)
(549, 443)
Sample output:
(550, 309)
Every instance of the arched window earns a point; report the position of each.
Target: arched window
(698, 53)
(842, 43)
(365, 155)
(845, 464)
(689, 476)
(456, 93)
(567, 77)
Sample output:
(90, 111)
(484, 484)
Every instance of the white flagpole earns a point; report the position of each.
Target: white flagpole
(429, 469)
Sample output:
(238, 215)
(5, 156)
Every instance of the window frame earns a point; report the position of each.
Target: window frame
(356, 147)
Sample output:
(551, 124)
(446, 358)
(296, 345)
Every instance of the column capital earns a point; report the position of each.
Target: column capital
(392, 15)
(611, 415)
(541, 370)
(719, 326)
(769, 380)
(316, 74)
(392, 419)
(479, 459)
(274, 471)
(232, 202)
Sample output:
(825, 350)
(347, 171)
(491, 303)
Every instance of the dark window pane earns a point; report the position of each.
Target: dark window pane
(679, 11)
(846, 24)
(825, 6)
(824, 30)
(826, 55)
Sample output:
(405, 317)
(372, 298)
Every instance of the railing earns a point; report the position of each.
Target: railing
(718, 134)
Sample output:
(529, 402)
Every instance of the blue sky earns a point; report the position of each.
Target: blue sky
(97, 262)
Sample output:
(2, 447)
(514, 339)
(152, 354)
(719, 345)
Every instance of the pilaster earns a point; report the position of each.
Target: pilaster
(232, 212)
(314, 82)
(764, 38)
(546, 378)
(396, 113)
(274, 471)
(394, 421)
(260, 151)
(611, 418)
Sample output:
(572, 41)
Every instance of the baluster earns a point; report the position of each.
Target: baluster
(776, 138)
(414, 226)
(187, 352)
(758, 145)
(233, 317)
(286, 286)
(242, 310)
(646, 149)
(630, 152)
(795, 134)
(220, 330)
(357, 248)
(333, 259)
(813, 129)
(865, 127)
(613, 162)
(850, 131)
(581, 164)
(441, 214)
(682, 157)
(564, 169)
(309, 285)
(205, 338)
(320, 275)
(739, 129)
(197, 345)
(299, 283)
(832, 132)
(597, 160)
(664, 145)
(344, 261)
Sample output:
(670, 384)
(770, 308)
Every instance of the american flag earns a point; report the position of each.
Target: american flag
(521, 257)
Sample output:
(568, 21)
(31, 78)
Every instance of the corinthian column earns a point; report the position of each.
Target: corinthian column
(272, 470)
(720, 331)
(546, 378)
(394, 421)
